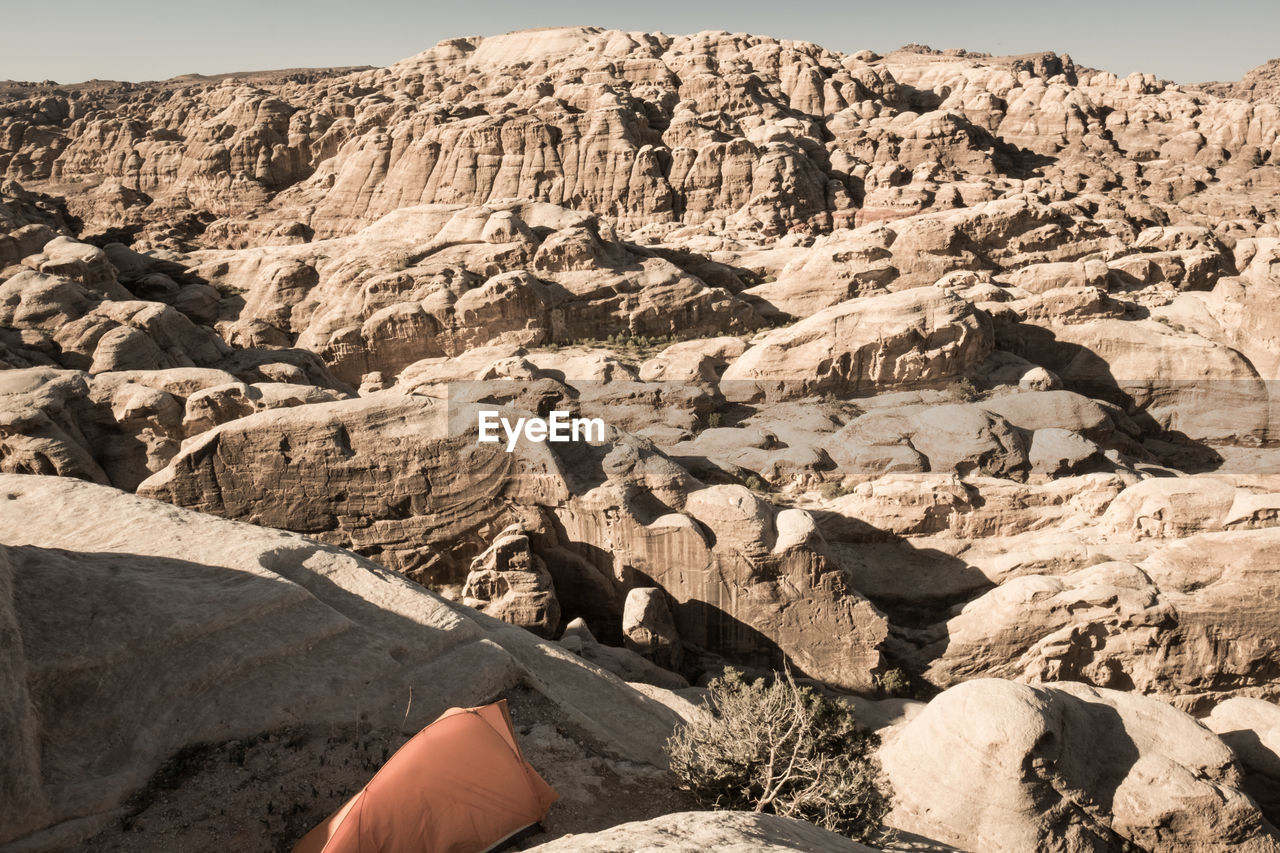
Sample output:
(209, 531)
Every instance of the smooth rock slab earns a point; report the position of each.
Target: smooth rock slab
(698, 832)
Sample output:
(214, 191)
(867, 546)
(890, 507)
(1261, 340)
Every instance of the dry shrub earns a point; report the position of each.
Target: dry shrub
(781, 748)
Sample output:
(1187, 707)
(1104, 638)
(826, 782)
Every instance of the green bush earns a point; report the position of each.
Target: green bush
(895, 682)
(832, 490)
(964, 390)
(783, 749)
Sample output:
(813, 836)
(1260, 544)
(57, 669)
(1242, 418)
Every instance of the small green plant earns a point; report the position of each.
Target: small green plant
(895, 682)
(714, 420)
(830, 491)
(784, 749)
(754, 483)
(964, 390)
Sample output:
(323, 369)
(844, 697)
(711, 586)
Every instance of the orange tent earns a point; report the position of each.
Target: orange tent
(461, 785)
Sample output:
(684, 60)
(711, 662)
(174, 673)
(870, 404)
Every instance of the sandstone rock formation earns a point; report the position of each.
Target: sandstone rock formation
(1248, 726)
(1100, 768)
(871, 344)
(397, 478)
(624, 663)
(915, 371)
(1257, 85)
(510, 582)
(128, 623)
(649, 630)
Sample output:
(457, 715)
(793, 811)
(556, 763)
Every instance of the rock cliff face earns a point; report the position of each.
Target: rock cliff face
(932, 372)
(1257, 85)
(399, 479)
(713, 130)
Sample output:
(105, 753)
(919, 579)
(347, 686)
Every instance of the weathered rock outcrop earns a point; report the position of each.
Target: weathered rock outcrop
(649, 630)
(1251, 727)
(1257, 85)
(404, 479)
(710, 131)
(863, 346)
(1099, 768)
(127, 622)
(622, 662)
(510, 582)
(939, 362)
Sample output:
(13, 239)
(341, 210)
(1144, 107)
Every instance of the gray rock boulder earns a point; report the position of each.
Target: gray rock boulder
(649, 630)
(624, 663)
(968, 440)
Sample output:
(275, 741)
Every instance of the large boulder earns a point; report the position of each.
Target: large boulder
(648, 628)
(1055, 451)
(80, 262)
(993, 765)
(967, 439)
(1036, 410)
(1173, 378)
(628, 665)
(1251, 727)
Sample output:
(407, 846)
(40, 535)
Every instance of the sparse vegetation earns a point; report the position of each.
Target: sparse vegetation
(895, 682)
(830, 490)
(715, 420)
(785, 749)
(226, 290)
(755, 484)
(964, 390)
(623, 345)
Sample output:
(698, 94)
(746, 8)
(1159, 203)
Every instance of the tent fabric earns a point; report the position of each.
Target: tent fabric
(461, 785)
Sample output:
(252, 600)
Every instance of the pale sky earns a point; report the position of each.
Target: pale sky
(75, 40)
